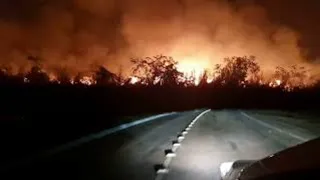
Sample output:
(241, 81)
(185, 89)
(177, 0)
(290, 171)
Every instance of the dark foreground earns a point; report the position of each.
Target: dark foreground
(216, 137)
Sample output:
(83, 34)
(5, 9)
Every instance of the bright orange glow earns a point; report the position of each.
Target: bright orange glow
(193, 67)
(134, 80)
(87, 80)
(52, 77)
(278, 82)
(275, 83)
(209, 80)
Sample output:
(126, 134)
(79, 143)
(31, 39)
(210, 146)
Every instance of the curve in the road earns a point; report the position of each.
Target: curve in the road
(163, 169)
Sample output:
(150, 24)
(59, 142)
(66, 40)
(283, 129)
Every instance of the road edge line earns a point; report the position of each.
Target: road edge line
(101, 134)
(273, 127)
(84, 140)
(160, 174)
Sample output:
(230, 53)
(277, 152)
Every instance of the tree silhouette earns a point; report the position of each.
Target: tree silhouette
(204, 78)
(157, 70)
(294, 76)
(37, 76)
(189, 79)
(236, 70)
(298, 76)
(104, 76)
(63, 77)
(5, 74)
(77, 78)
(119, 77)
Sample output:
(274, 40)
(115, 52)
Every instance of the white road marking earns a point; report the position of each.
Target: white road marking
(171, 155)
(180, 138)
(274, 128)
(160, 175)
(162, 171)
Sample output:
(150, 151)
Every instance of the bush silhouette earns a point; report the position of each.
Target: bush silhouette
(37, 76)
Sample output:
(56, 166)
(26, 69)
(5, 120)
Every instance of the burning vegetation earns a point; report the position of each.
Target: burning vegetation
(165, 71)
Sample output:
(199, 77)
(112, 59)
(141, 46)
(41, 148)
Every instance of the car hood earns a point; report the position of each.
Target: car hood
(302, 156)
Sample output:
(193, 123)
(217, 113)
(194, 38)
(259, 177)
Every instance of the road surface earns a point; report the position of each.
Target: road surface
(215, 137)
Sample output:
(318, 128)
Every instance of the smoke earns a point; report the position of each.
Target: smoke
(79, 34)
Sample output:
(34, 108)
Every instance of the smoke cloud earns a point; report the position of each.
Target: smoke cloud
(79, 34)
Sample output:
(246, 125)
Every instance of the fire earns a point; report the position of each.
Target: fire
(278, 82)
(275, 83)
(134, 80)
(52, 77)
(192, 67)
(209, 80)
(87, 80)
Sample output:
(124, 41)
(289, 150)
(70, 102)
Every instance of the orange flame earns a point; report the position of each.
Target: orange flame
(87, 80)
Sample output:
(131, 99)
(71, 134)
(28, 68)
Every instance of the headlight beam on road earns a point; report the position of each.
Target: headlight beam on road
(162, 169)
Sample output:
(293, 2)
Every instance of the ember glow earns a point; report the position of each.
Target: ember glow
(193, 69)
(53, 78)
(87, 80)
(194, 66)
(134, 80)
(274, 83)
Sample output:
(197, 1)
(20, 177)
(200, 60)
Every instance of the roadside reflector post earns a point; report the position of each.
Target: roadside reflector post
(180, 138)
(175, 143)
(160, 169)
(169, 153)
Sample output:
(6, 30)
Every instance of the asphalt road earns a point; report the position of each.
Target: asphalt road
(216, 137)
